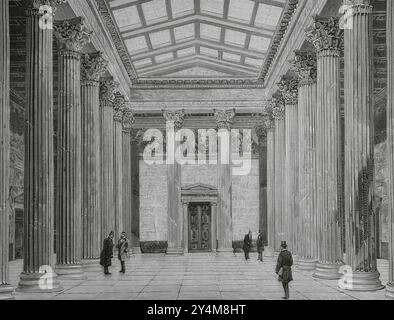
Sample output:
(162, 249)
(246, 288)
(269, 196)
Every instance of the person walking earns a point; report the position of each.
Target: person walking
(107, 253)
(283, 268)
(260, 246)
(247, 244)
(123, 251)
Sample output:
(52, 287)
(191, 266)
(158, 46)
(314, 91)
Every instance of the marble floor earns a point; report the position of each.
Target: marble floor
(196, 277)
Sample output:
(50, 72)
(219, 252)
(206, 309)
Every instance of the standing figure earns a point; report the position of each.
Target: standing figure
(247, 244)
(260, 246)
(123, 251)
(283, 268)
(107, 253)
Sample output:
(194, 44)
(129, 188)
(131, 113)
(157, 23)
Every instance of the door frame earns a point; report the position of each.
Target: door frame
(199, 193)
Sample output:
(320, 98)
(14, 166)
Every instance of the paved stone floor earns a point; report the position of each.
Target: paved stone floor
(197, 277)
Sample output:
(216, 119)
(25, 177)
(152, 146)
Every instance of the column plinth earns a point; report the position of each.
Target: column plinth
(39, 173)
(174, 123)
(72, 36)
(93, 66)
(224, 121)
(327, 38)
(359, 150)
(390, 142)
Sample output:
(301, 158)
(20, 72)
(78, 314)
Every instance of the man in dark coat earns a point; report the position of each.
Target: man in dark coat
(107, 252)
(260, 246)
(247, 244)
(123, 251)
(283, 268)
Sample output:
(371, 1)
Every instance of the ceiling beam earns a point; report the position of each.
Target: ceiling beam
(267, 31)
(200, 42)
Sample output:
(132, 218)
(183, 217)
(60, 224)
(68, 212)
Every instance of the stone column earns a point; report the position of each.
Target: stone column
(5, 289)
(327, 38)
(279, 122)
(93, 66)
(174, 122)
(107, 96)
(127, 194)
(359, 149)
(214, 226)
(136, 142)
(39, 173)
(305, 66)
(289, 89)
(390, 141)
(119, 106)
(261, 132)
(224, 120)
(72, 36)
(270, 125)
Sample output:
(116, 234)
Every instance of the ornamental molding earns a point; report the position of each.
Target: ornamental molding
(304, 65)
(72, 34)
(113, 30)
(326, 35)
(93, 66)
(289, 89)
(224, 118)
(276, 42)
(199, 84)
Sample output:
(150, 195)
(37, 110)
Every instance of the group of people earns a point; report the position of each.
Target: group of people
(108, 252)
(283, 265)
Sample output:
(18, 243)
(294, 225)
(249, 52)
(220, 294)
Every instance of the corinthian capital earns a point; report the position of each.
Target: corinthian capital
(175, 117)
(304, 65)
(128, 119)
(119, 107)
(289, 89)
(278, 108)
(224, 118)
(108, 88)
(261, 132)
(326, 35)
(93, 66)
(356, 6)
(72, 34)
(39, 4)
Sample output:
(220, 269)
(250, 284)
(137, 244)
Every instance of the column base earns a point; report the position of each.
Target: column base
(71, 272)
(6, 292)
(268, 252)
(174, 252)
(390, 291)
(327, 271)
(306, 264)
(91, 264)
(39, 283)
(361, 281)
(136, 250)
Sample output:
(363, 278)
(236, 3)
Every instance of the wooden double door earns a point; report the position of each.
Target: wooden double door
(200, 230)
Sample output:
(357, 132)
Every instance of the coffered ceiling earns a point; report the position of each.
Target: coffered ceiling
(197, 38)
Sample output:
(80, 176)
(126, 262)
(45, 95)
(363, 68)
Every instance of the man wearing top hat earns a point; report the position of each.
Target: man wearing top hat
(283, 268)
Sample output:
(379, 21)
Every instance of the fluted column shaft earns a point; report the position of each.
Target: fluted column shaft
(390, 141)
(69, 152)
(224, 177)
(271, 216)
(118, 179)
(92, 67)
(107, 97)
(304, 65)
(359, 148)
(39, 173)
(4, 145)
(307, 171)
(327, 37)
(174, 123)
(135, 166)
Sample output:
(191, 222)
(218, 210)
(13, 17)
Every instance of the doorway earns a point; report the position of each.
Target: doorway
(200, 231)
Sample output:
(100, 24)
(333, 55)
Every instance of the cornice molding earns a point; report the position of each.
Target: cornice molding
(287, 15)
(113, 29)
(199, 84)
